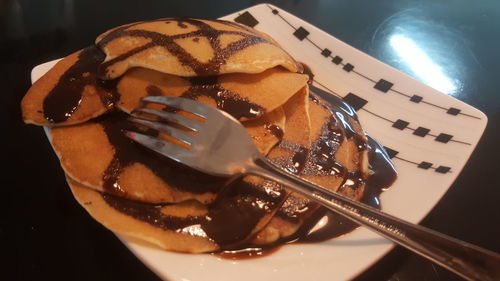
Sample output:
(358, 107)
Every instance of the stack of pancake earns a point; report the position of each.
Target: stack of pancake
(86, 98)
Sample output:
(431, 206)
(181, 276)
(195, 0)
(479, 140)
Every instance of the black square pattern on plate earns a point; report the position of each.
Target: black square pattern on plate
(355, 101)
(390, 152)
(400, 124)
(416, 98)
(424, 165)
(444, 138)
(443, 169)
(421, 132)
(337, 60)
(383, 85)
(301, 33)
(247, 19)
(348, 67)
(326, 52)
(453, 111)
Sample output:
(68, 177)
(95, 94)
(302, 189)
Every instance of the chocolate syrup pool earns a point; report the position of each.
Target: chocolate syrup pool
(325, 224)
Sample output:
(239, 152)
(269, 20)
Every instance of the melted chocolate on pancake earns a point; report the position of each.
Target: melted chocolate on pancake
(150, 213)
(128, 152)
(65, 97)
(229, 222)
(226, 100)
(275, 130)
(168, 42)
(323, 155)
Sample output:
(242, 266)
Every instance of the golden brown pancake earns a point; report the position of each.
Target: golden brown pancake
(98, 154)
(69, 93)
(190, 47)
(256, 206)
(234, 216)
(297, 209)
(267, 130)
(117, 214)
(245, 96)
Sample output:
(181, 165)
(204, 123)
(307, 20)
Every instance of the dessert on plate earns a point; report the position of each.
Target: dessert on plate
(86, 98)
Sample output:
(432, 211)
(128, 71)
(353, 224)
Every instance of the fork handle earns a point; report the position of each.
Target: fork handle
(469, 261)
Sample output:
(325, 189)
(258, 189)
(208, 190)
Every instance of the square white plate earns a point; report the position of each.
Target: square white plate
(429, 136)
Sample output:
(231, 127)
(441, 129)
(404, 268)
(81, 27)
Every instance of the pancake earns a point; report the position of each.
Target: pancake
(69, 93)
(268, 130)
(233, 217)
(98, 154)
(154, 224)
(190, 47)
(334, 161)
(244, 96)
(245, 207)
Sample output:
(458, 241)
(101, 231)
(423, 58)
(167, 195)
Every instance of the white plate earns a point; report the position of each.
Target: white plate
(427, 165)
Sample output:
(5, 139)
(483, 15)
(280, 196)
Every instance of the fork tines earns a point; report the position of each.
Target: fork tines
(165, 121)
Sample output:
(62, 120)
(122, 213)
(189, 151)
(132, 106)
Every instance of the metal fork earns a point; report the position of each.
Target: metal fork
(222, 146)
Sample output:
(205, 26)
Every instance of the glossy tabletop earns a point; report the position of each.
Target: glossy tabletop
(451, 45)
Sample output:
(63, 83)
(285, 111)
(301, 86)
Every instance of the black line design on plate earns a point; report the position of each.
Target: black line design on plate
(421, 131)
(301, 33)
(416, 98)
(336, 60)
(444, 138)
(355, 101)
(326, 53)
(391, 152)
(453, 111)
(348, 67)
(358, 104)
(443, 169)
(383, 85)
(426, 165)
(400, 124)
(247, 19)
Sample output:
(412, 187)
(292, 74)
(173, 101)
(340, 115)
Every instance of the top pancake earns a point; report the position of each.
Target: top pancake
(190, 47)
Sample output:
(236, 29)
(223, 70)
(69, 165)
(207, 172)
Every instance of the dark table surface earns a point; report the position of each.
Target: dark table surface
(46, 235)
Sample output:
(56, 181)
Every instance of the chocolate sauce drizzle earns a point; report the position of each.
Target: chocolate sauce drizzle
(62, 101)
(226, 100)
(236, 211)
(322, 156)
(150, 213)
(299, 160)
(128, 152)
(209, 68)
(276, 130)
(234, 215)
(231, 218)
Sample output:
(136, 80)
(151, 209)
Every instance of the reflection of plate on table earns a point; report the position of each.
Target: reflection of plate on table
(428, 135)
